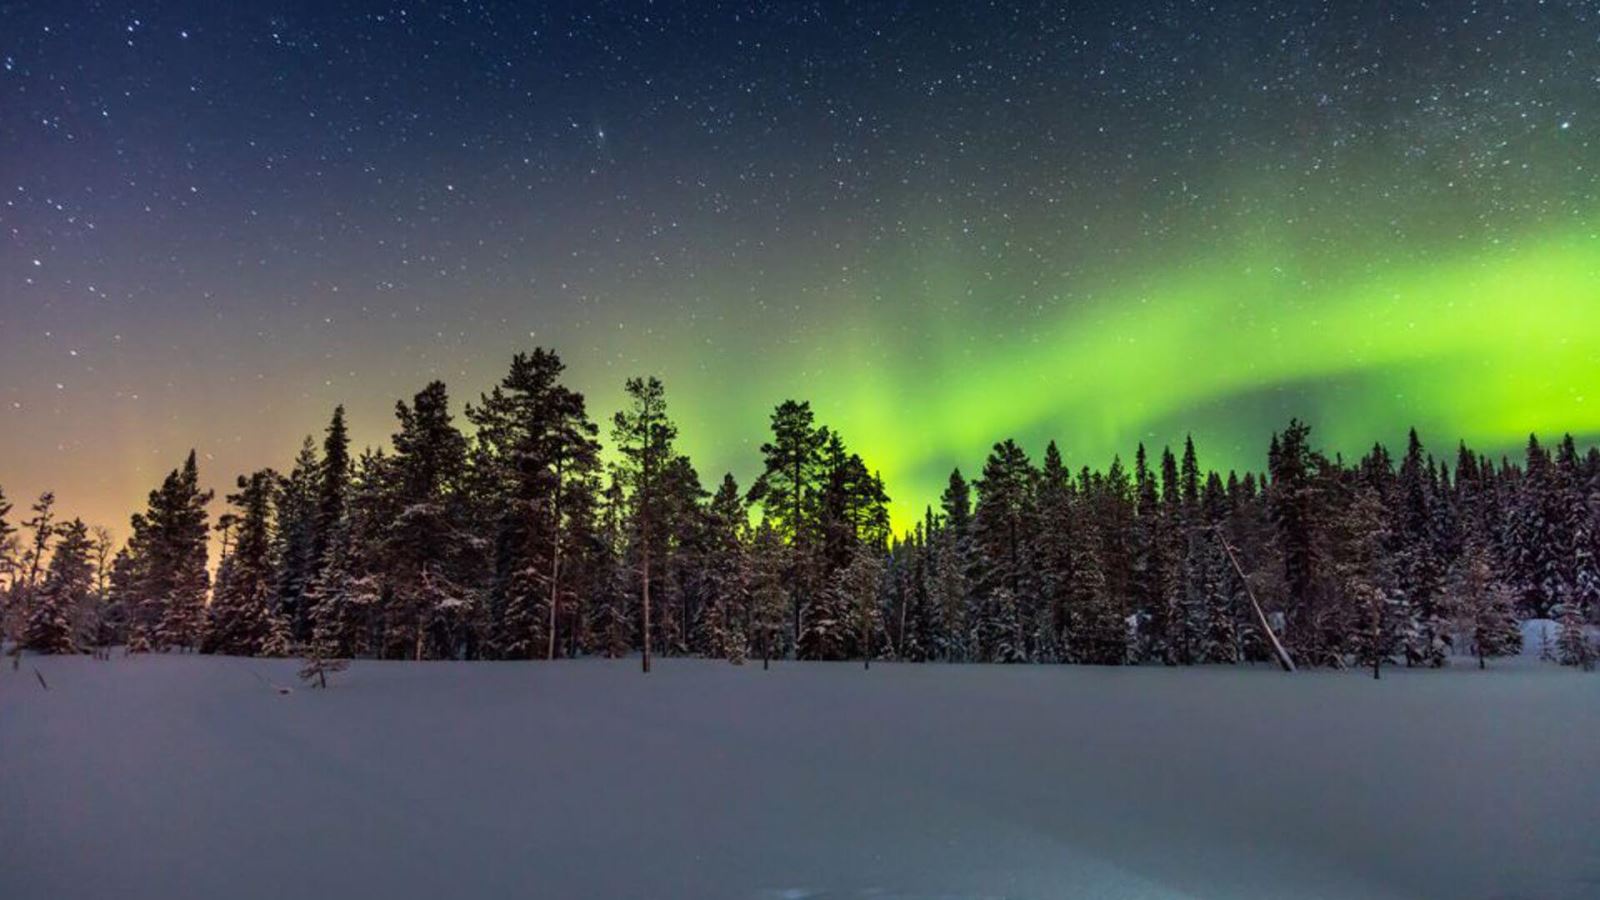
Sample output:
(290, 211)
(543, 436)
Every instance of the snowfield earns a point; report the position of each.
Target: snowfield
(191, 777)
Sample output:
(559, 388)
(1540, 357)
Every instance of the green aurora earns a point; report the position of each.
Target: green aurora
(1485, 345)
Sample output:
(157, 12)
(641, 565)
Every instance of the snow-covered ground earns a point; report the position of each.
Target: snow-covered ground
(191, 777)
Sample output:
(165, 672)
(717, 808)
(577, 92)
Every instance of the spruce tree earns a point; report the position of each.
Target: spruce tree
(1531, 535)
(1099, 635)
(1573, 644)
(294, 537)
(860, 586)
(342, 600)
(540, 441)
(129, 574)
(424, 547)
(333, 486)
(766, 564)
(1003, 527)
(611, 619)
(1489, 607)
(1295, 501)
(59, 605)
(174, 579)
(1418, 570)
(1052, 556)
(830, 622)
(1216, 585)
(954, 569)
(1378, 612)
(242, 614)
(724, 613)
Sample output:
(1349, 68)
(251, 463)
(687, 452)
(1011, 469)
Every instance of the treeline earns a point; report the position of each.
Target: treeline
(513, 540)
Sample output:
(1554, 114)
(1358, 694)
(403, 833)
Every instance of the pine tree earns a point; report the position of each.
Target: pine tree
(103, 625)
(788, 492)
(644, 437)
(43, 526)
(319, 664)
(59, 605)
(8, 549)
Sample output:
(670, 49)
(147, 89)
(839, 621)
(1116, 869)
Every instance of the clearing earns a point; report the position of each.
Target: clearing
(192, 777)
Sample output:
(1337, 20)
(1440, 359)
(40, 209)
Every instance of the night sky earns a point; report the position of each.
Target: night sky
(942, 223)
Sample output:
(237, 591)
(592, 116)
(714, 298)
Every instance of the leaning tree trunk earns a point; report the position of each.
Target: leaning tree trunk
(1266, 628)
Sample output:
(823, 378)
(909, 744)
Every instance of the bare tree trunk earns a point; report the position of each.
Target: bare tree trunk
(866, 635)
(1261, 617)
(646, 594)
(555, 561)
(1377, 637)
(900, 648)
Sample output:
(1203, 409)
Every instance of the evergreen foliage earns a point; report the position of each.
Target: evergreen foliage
(512, 541)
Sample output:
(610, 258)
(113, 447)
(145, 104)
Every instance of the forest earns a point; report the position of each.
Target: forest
(513, 537)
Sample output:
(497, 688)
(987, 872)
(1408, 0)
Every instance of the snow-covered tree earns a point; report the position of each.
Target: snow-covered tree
(720, 629)
(294, 537)
(1573, 644)
(59, 606)
(166, 574)
(242, 613)
(1487, 606)
(319, 663)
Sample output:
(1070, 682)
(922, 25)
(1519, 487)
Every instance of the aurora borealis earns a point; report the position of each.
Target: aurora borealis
(943, 224)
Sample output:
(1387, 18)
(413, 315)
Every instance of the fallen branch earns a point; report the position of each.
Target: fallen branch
(40, 675)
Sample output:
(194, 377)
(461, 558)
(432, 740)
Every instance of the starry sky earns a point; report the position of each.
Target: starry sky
(943, 223)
